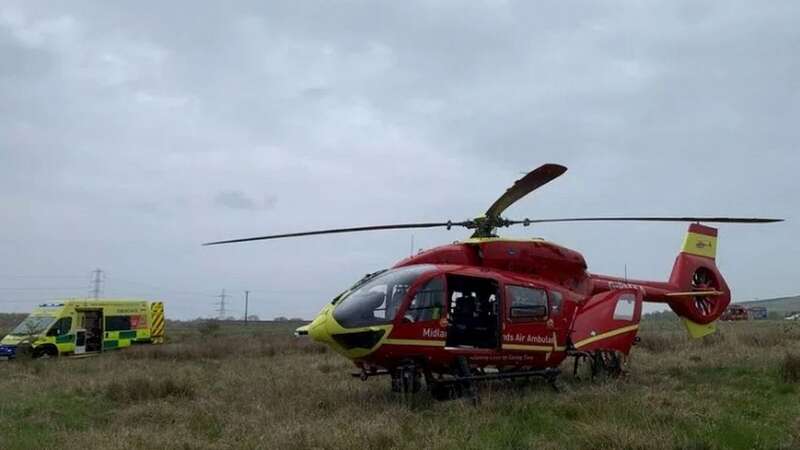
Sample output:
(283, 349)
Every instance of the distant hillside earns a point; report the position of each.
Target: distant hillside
(781, 304)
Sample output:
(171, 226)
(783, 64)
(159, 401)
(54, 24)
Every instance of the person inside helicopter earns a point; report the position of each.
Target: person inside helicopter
(428, 302)
(473, 321)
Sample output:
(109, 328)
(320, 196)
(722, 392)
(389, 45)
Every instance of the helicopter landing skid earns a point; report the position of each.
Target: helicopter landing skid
(406, 379)
(461, 385)
(365, 374)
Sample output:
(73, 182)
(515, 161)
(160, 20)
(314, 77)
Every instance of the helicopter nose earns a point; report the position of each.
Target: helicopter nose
(318, 328)
(352, 343)
(320, 333)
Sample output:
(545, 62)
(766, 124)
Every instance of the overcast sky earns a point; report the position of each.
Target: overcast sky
(132, 132)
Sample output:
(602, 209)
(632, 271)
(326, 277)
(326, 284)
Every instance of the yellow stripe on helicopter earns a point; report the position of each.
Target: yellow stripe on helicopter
(606, 335)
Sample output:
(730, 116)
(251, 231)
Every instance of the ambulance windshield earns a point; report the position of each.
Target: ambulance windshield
(376, 302)
(33, 325)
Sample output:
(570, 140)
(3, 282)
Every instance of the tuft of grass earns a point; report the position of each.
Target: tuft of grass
(138, 389)
(325, 367)
(192, 348)
(209, 328)
(762, 338)
(207, 424)
(657, 343)
(790, 368)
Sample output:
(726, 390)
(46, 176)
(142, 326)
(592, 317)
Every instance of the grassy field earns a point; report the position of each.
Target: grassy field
(259, 387)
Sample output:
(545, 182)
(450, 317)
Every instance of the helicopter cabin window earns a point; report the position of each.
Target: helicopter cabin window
(526, 303)
(473, 312)
(427, 303)
(625, 306)
(556, 299)
(376, 301)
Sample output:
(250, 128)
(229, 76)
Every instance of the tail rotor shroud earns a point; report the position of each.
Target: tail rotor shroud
(703, 280)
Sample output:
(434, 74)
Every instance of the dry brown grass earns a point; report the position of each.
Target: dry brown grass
(139, 388)
(226, 347)
(263, 388)
(790, 369)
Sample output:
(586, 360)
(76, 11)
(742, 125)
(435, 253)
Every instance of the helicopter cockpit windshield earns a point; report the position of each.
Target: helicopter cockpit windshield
(376, 302)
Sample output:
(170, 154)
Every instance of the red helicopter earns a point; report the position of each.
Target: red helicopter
(493, 308)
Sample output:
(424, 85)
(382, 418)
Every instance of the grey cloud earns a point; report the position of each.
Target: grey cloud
(240, 200)
(124, 127)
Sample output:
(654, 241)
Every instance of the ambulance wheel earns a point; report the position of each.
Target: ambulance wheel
(45, 352)
(24, 351)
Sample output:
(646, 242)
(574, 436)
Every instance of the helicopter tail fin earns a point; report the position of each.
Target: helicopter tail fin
(700, 240)
(702, 294)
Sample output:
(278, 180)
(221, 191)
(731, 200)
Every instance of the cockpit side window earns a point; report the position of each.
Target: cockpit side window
(428, 302)
(357, 285)
(377, 301)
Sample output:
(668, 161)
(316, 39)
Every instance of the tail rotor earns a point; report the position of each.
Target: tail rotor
(703, 280)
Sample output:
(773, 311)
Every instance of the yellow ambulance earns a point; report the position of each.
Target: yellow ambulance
(85, 326)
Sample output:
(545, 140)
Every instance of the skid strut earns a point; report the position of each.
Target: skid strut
(602, 362)
(463, 383)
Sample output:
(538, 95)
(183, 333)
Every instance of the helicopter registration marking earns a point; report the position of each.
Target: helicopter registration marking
(616, 285)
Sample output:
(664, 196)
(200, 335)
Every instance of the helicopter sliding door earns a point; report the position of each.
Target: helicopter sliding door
(473, 319)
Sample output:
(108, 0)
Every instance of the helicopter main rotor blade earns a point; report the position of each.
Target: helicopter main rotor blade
(348, 230)
(524, 186)
(650, 219)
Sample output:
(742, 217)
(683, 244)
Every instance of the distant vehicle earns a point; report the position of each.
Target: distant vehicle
(85, 326)
(735, 312)
(793, 316)
(758, 312)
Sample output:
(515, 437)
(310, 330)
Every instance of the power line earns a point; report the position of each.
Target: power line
(41, 276)
(71, 288)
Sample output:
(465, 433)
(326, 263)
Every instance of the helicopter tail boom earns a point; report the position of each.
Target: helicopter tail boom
(696, 289)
